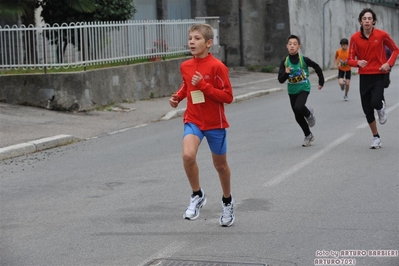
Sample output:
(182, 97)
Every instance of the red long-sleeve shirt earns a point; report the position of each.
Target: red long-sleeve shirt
(216, 88)
(372, 50)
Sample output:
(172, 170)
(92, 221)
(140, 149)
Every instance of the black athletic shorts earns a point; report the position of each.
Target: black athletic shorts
(342, 73)
(387, 80)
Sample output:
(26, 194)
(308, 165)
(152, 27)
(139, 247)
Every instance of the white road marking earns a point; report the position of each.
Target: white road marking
(254, 82)
(126, 129)
(388, 110)
(284, 175)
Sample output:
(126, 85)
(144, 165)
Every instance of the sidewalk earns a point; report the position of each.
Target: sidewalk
(27, 129)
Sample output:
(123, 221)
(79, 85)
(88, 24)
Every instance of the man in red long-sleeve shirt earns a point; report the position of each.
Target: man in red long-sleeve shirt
(367, 52)
(206, 85)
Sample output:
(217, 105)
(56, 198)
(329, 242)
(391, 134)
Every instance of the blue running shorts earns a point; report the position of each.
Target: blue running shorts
(216, 138)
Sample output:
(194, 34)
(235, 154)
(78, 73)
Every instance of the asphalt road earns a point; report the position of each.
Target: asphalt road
(119, 199)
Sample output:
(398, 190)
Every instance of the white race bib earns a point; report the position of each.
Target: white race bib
(197, 97)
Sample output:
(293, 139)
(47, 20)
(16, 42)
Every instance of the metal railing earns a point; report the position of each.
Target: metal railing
(85, 44)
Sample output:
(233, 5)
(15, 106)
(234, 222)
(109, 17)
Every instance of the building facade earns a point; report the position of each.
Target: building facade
(254, 32)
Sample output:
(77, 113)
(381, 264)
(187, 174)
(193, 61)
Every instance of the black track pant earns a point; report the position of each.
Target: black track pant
(298, 102)
(371, 94)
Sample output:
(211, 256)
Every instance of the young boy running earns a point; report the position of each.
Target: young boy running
(294, 68)
(207, 87)
(344, 70)
(367, 52)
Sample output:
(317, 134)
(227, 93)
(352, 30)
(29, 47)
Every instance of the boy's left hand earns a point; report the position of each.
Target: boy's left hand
(320, 87)
(174, 100)
(196, 78)
(385, 68)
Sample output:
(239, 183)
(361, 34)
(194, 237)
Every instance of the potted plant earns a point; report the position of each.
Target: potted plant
(160, 46)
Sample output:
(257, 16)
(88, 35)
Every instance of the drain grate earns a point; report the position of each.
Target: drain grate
(177, 262)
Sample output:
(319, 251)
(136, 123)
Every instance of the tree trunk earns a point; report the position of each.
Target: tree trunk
(30, 52)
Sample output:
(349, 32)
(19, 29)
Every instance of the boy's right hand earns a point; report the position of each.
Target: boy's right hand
(361, 63)
(174, 101)
(196, 78)
(288, 70)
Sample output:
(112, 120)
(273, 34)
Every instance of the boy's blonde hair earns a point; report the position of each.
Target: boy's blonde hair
(205, 29)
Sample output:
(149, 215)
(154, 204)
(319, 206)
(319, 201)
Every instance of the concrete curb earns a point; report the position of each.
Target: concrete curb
(173, 114)
(35, 145)
(239, 98)
(330, 78)
(254, 94)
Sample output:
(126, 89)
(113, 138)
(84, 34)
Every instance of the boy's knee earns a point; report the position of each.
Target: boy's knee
(298, 109)
(377, 104)
(188, 158)
(370, 119)
(221, 167)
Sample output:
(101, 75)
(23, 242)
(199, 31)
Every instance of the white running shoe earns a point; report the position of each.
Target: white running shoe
(382, 115)
(227, 217)
(193, 210)
(307, 141)
(346, 97)
(376, 143)
(311, 118)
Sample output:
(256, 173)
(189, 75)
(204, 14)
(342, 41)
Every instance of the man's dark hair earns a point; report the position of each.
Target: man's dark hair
(364, 11)
(294, 37)
(344, 41)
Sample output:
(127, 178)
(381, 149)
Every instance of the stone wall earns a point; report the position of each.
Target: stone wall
(340, 21)
(79, 91)
(229, 14)
(254, 32)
